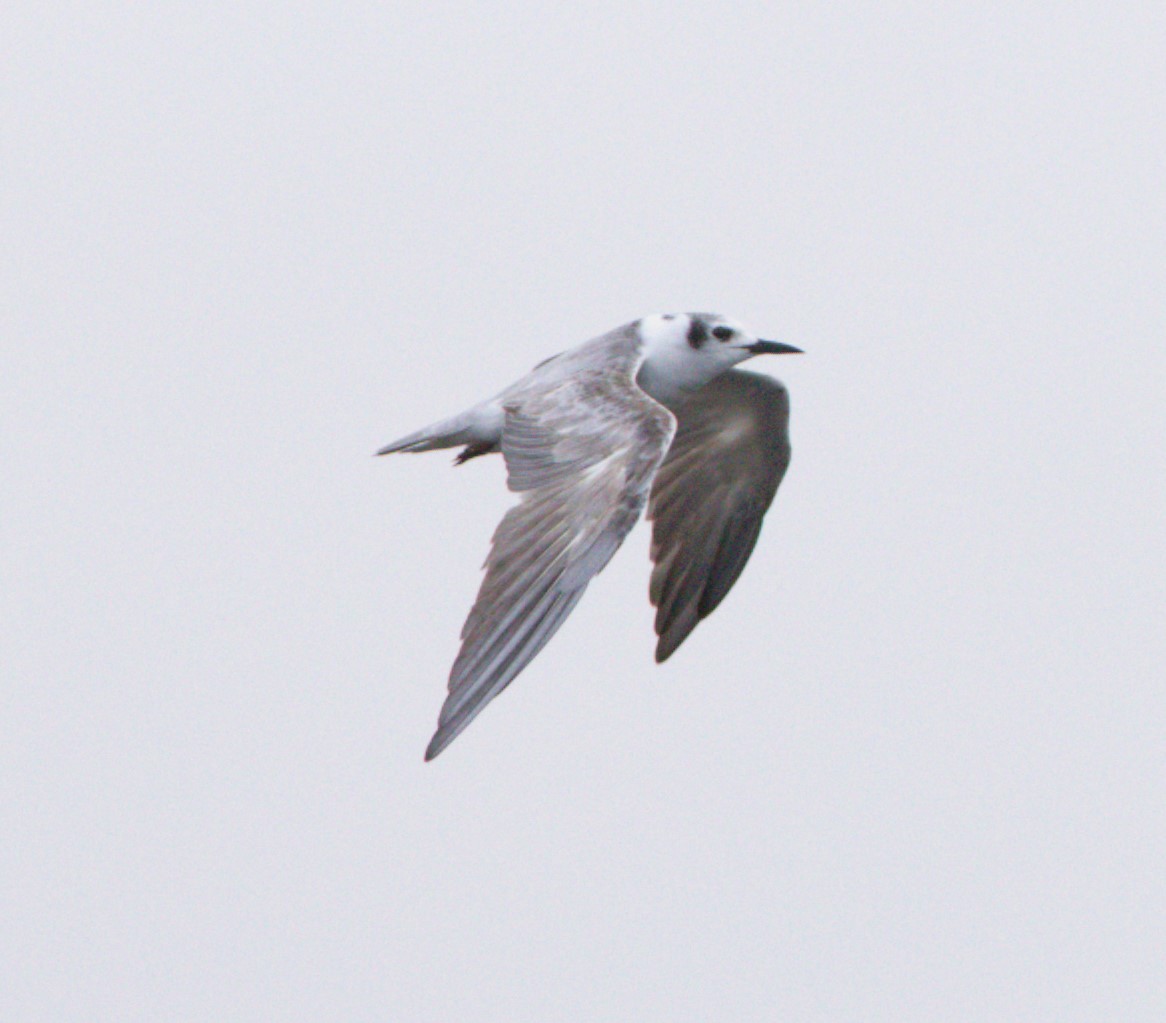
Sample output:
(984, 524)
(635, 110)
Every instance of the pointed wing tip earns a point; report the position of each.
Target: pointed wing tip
(673, 629)
(449, 727)
(667, 646)
(444, 735)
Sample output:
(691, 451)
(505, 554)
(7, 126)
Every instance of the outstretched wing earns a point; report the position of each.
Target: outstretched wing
(581, 448)
(729, 454)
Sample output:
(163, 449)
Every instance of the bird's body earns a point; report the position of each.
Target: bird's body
(652, 413)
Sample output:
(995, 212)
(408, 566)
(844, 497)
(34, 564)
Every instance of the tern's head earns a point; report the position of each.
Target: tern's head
(683, 351)
(706, 337)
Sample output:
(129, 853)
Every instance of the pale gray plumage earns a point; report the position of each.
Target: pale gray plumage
(588, 437)
(581, 448)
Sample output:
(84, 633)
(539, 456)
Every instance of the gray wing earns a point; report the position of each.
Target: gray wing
(581, 449)
(729, 454)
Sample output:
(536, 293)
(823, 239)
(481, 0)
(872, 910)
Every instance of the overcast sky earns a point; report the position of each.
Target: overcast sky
(913, 767)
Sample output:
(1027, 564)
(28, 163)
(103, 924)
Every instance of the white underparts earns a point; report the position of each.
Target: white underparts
(485, 422)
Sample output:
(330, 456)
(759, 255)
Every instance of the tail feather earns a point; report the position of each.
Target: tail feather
(419, 440)
(479, 430)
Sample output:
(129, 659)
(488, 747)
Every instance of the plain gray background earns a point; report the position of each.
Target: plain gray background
(911, 770)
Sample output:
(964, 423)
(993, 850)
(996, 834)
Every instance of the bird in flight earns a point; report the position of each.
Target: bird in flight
(652, 413)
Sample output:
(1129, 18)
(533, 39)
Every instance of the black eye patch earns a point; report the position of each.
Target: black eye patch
(722, 333)
(698, 333)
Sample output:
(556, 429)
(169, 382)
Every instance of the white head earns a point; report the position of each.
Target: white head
(684, 351)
